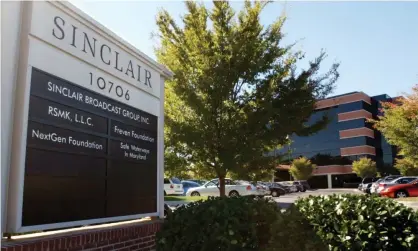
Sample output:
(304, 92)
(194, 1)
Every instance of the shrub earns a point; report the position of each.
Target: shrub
(301, 168)
(364, 167)
(241, 223)
(358, 222)
(292, 232)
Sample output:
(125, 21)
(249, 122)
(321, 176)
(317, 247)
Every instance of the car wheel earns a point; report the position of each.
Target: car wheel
(401, 194)
(195, 194)
(274, 194)
(233, 194)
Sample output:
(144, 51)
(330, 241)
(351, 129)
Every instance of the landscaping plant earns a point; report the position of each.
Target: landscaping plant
(358, 222)
(238, 223)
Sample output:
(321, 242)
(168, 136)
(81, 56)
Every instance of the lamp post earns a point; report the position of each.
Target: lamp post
(288, 154)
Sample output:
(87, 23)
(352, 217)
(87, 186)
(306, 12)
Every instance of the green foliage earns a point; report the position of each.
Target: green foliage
(358, 222)
(407, 166)
(365, 167)
(292, 232)
(301, 168)
(236, 93)
(241, 223)
(221, 223)
(399, 125)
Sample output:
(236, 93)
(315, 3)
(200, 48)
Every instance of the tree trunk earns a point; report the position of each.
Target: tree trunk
(222, 186)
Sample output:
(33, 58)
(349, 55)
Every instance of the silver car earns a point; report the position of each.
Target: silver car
(378, 183)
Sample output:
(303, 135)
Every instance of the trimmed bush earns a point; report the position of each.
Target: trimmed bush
(358, 222)
(237, 223)
(292, 232)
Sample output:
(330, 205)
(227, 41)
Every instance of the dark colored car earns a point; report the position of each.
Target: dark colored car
(302, 185)
(276, 190)
(287, 189)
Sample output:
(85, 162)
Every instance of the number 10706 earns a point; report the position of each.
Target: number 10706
(109, 86)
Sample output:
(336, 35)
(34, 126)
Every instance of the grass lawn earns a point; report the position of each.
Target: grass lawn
(412, 199)
(184, 198)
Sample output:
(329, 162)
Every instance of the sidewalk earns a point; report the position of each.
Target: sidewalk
(411, 204)
(176, 203)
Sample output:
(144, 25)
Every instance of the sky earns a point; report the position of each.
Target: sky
(376, 43)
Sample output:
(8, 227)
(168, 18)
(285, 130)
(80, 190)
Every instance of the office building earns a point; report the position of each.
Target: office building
(346, 138)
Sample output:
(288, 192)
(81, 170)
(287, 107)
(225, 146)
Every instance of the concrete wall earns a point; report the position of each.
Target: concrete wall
(10, 26)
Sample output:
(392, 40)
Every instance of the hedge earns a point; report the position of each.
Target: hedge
(336, 222)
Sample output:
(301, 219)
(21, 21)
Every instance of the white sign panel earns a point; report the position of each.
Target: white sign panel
(59, 29)
(88, 141)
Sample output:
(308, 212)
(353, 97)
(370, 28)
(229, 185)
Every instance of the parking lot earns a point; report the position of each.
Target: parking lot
(285, 201)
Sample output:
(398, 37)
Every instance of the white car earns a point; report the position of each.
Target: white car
(232, 188)
(377, 184)
(173, 186)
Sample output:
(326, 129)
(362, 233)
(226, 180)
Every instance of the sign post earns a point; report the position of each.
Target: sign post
(88, 142)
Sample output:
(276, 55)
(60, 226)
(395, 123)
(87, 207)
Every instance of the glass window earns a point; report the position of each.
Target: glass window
(358, 105)
(211, 183)
(405, 180)
(350, 124)
(175, 181)
(166, 181)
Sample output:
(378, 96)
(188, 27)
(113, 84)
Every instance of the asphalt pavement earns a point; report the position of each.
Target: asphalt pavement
(287, 200)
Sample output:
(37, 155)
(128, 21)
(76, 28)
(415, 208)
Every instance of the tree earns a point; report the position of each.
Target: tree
(407, 166)
(399, 125)
(301, 168)
(236, 92)
(365, 167)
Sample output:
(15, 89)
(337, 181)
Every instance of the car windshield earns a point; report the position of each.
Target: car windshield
(404, 180)
(367, 180)
(175, 181)
(390, 178)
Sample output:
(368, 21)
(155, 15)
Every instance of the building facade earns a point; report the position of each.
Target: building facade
(346, 138)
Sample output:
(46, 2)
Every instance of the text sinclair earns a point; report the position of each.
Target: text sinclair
(98, 49)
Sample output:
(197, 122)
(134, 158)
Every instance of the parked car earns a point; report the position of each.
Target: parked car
(187, 184)
(262, 188)
(375, 185)
(302, 185)
(232, 188)
(401, 190)
(401, 180)
(173, 186)
(289, 184)
(200, 182)
(366, 188)
(289, 188)
(365, 182)
(276, 190)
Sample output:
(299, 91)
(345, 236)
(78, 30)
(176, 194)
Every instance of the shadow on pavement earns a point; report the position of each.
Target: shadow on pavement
(284, 205)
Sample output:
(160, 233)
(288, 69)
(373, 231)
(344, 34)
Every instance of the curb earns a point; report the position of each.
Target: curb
(176, 203)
